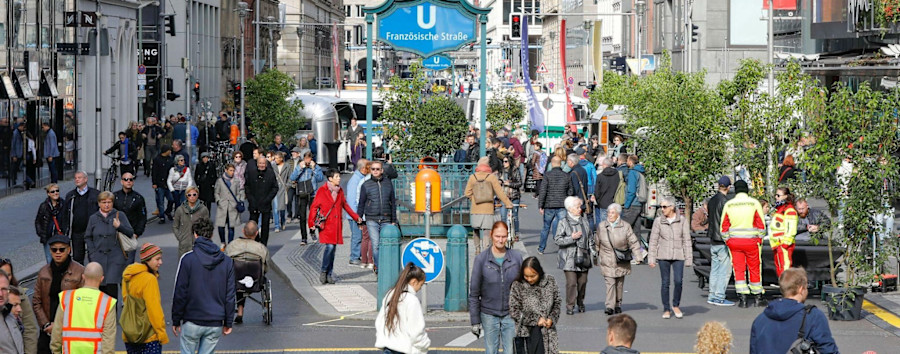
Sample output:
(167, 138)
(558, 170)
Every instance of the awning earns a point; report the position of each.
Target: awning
(7, 89)
(23, 88)
(48, 85)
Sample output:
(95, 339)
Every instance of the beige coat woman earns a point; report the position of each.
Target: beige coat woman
(225, 203)
(671, 241)
(619, 232)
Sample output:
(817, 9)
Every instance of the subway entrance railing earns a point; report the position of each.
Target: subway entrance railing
(455, 206)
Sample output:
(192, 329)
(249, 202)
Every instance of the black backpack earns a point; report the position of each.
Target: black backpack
(802, 345)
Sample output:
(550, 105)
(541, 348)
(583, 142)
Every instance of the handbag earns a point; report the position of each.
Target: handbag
(621, 256)
(136, 328)
(533, 344)
(588, 207)
(319, 222)
(582, 255)
(304, 188)
(801, 345)
(239, 205)
(127, 243)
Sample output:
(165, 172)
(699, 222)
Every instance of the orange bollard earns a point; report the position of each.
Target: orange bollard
(424, 176)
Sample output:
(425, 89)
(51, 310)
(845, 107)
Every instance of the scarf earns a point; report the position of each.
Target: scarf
(334, 190)
(57, 272)
(483, 168)
(125, 150)
(227, 180)
(192, 209)
(573, 216)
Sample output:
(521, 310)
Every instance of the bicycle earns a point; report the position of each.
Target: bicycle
(221, 153)
(109, 179)
(511, 222)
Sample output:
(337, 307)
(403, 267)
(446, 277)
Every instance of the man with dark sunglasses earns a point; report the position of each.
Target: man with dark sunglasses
(63, 273)
(131, 203)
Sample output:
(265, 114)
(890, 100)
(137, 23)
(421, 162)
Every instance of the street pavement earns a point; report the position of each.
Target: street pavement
(306, 323)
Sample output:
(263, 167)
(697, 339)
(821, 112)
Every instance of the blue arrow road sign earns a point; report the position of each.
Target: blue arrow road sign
(427, 27)
(437, 62)
(426, 254)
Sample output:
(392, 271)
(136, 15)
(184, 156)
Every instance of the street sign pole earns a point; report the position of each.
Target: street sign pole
(369, 19)
(428, 236)
(483, 85)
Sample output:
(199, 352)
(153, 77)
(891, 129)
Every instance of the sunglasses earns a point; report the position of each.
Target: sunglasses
(127, 179)
(53, 191)
(375, 168)
(192, 195)
(505, 161)
(58, 250)
(667, 206)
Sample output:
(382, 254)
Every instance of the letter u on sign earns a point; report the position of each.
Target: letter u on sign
(420, 16)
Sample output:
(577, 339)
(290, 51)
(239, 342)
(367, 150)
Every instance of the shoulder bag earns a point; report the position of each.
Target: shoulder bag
(582, 255)
(127, 243)
(319, 222)
(588, 207)
(136, 328)
(801, 345)
(239, 205)
(622, 256)
(304, 189)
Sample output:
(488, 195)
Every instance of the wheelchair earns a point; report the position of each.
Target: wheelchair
(250, 279)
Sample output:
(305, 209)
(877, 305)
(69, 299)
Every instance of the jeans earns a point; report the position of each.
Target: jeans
(355, 241)
(54, 171)
(199, 339)
(277, 214)
(720, 272)
(675, 270)
(230, 233)
(178, 196)
(292, 203)
(150, 152)
(78, 251)
(498, 331)
(599, 216)
(163, 195)
(632, 216)
(47, 253)
(375, 235)
(551, 219)
(328, 259)
(515, 214)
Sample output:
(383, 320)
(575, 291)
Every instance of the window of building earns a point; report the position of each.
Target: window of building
(745, 25)
(359, 11)
(347, 10)
(347, 37)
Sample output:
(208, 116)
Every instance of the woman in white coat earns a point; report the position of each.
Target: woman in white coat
(180, 178)
(400, 325)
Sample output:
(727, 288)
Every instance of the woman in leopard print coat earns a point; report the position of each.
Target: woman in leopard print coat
(534, 301)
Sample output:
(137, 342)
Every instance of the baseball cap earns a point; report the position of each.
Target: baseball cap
(725, 181)
(205, 154)
(58, 239)
(579, 151)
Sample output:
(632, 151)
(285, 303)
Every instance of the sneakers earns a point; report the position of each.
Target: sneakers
(761, 301)
(323, 278)
(355, 262)
(156, 212)
(720, 302)
(329, 279)
(302, 243)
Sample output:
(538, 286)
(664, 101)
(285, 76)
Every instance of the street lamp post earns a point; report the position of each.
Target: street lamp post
(243, 10)
(269, 29)
(300, 44)
(639, 6)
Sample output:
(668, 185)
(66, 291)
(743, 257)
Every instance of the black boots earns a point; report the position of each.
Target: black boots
(742, 301)
(761, 301)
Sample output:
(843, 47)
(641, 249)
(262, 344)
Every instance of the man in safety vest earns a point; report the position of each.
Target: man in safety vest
(783, 229)
(743, 227)
(86, 318)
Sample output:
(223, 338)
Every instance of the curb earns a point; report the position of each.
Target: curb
(883, 313)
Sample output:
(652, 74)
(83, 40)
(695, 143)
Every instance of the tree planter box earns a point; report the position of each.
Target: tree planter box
(844, 304)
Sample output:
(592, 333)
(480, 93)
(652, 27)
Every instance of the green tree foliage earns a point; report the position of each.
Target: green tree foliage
(424, 125)
(853, 156)
(505, 109)
(267, 106)
(678, 121)
(614, 89)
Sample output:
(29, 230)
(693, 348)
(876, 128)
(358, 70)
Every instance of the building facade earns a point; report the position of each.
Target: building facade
(306, 46)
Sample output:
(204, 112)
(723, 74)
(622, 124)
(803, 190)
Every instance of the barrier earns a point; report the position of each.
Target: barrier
(454, 205)
(456, 285)
(388, 260)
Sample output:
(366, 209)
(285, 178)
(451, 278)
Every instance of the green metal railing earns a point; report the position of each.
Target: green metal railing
(454, 205)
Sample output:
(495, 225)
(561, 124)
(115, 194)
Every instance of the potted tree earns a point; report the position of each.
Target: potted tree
(852, 167)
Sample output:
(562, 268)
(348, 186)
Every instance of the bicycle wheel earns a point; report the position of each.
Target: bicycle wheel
(109, 180)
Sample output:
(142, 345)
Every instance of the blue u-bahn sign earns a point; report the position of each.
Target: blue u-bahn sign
(427, 27)
(436, 62)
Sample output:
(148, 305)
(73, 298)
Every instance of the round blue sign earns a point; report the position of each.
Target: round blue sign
(425, 254)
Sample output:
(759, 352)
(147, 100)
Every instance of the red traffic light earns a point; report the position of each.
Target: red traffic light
(237, 87)
(197, 85)
(516, 18)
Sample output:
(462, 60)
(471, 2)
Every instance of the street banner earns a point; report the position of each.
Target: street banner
(535, 114)
(597, 40)
(570, 112)
(338, 79)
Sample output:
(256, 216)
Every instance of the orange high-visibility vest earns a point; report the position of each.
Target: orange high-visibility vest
(84, 311)
(235, 134)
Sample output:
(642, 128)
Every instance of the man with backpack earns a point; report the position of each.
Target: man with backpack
(773, 330)
(635, 197)
(610, 189)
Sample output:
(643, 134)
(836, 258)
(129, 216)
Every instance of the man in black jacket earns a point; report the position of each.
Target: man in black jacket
(555, 187)
(160, 172)
(223, 128)
(720, 270)
(131, 204)
(152, 135)
(126, 150)
(81, 203)
(261, 187)
(578, 175)
(605, 189)
(378, 204)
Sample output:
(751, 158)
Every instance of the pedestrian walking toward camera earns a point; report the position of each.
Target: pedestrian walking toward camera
(142, 284)
(400, 325)
(671, 249)
(228, 195)
(159, 175)
(511, 180)
(353, 190)
(102, 242)
(85, 320)
(21, 307)
(742, 227)
(132, 205)
(81, 203)
(185, 217)
(720, 257)
(261, 188)
(481, 189)
(180, 178)
(205, 176)
(774, 330)
(51, 219)
(493, 273)
(534, 304)
(62, 274)
(325, 215)
(203, 302)
(616, 244)
(378, 205)
(576, 244)
(11, 340)
(308, 176)
(555, 187)
(620, 333)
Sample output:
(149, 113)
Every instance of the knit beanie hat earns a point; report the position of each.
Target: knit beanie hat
(148, 250)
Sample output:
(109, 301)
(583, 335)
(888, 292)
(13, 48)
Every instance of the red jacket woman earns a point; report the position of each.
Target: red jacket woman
(328, 203)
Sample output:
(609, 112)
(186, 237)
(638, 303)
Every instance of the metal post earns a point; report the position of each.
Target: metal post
(300, 40)
(424, 290)
(256, 41)
(140, 35)
(388, 260)
(98, 110)
(187, 81)
(243, 15)
(639, 5)
(456, 294)
(771, 53)
(482, 85)
(369, 19)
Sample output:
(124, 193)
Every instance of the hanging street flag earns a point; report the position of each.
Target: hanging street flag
(338, 80)
(570, 112)
(535, 114)
(598, 51)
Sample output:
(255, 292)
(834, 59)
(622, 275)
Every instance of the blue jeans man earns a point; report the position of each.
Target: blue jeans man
(719, 273)
(375, 235)
(551, 219)
(356, 243)
(163, 199)
(199, 339)
(498, 331)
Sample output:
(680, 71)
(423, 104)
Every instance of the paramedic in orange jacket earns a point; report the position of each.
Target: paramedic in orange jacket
(743, 227)
(783, 229)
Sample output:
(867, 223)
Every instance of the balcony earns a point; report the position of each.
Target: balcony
(836, 19)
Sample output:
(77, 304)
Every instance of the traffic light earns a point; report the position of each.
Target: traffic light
(197, 91)
(515, 26)
(170, 25)
(170, 93)
(152, 89)
(694, 33)
(237, 94)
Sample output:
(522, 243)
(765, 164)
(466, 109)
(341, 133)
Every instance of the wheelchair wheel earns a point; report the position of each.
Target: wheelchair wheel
(267, 303)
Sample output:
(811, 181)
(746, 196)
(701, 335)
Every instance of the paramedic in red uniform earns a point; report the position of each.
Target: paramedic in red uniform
(743, 227)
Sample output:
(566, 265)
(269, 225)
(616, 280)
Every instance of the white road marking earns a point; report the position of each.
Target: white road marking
(463, 340)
